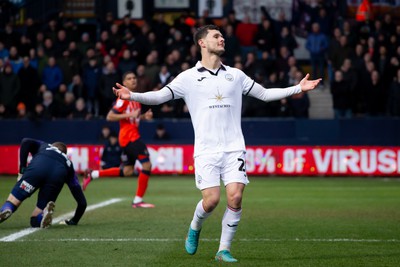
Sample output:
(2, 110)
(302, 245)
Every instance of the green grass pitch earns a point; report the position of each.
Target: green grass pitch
(285, 222)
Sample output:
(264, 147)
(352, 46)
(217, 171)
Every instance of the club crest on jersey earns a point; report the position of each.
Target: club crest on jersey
(27, 187)
(199, 179)
(119, 103)
(229, 77)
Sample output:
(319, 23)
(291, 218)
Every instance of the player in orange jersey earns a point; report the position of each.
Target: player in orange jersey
(128, 113)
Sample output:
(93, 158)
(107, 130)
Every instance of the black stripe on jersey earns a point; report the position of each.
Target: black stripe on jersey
(212, 73)
(173, 96)
(115, 111)
(251, 87)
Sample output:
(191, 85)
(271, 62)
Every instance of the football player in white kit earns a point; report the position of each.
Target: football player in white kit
(213, 94)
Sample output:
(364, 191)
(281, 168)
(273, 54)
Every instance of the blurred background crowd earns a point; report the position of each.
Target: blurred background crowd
(49, 69)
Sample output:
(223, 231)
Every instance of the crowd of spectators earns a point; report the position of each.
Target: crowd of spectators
(50, 70)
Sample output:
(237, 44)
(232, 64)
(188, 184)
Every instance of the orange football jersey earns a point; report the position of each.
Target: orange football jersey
(128, 128)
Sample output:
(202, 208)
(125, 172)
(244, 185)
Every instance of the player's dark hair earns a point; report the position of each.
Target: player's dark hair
(61, 146)
(202, 32)
(126, 74)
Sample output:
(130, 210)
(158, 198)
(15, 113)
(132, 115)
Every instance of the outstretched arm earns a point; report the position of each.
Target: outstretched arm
(272, 94)
(149, 98)
(80, 199)
(307, 85)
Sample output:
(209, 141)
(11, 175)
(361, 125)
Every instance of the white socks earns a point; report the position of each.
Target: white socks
(137, 200)
(230, 223)
(199, 216)
(95, 174)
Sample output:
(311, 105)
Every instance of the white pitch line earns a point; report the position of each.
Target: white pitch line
(31, 230)
(328, 240)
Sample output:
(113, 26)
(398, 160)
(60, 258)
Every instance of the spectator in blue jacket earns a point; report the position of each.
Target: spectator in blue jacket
(90, 77)
(52, 75)
(317, 44)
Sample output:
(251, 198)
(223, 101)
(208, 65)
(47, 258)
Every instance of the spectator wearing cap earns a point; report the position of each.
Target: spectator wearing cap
(21, 111)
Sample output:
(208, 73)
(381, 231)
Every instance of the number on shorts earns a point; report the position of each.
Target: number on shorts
(242, 163)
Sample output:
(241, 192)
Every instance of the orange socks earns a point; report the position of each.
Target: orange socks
(112, 172)
(143, 181)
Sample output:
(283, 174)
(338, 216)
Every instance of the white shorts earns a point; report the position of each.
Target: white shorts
(228, 167)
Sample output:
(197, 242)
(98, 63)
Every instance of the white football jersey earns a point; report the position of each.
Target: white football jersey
(214, 100)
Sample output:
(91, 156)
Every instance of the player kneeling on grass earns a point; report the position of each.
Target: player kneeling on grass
(48, 170)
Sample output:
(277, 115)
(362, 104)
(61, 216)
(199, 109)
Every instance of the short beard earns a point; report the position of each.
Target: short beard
(217, 53)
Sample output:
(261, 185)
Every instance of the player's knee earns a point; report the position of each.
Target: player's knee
(127, 171)
(35, 222)
(146, 166)
(235, 200)
(210, 203)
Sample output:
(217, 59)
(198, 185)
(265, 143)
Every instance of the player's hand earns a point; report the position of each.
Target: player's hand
(19, 176)
(122, 92)
(134, 114)
(307, 85)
